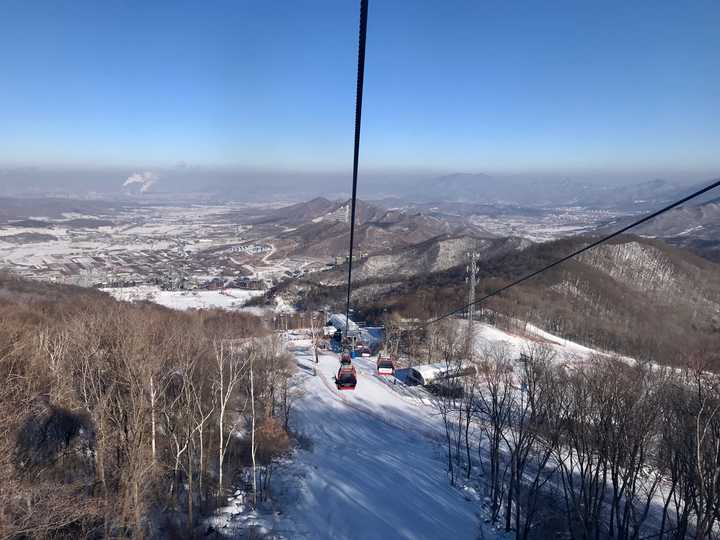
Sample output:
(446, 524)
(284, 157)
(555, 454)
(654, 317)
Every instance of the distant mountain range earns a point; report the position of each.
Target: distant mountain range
(481, 188)
(319, 227)
(201, 185)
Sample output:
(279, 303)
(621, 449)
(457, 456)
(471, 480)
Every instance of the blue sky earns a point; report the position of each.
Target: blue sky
(450, 85)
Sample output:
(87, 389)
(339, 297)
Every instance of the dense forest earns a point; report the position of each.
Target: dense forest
(130, 419)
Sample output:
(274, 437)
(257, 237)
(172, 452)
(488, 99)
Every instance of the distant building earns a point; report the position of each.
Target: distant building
(439, 373)
(342, 259)
(338, 321)
(329, 331)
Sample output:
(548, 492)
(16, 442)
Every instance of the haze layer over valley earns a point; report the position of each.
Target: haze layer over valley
(174, 242)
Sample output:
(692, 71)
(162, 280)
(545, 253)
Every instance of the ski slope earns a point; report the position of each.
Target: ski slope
(230, 299)
(375, 468)
(377, 464)
(372, 461)
(563, 350)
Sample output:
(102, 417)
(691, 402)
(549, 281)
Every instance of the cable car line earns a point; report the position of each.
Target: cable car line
(590, 246)
(356, 155)
(353, 202)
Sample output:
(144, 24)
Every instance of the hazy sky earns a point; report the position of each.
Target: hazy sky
(504, 86)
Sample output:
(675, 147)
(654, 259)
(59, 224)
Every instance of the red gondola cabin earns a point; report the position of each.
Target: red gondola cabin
(346, 378)
(385, 365)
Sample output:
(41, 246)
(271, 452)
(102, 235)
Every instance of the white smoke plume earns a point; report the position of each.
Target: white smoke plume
(146, 180)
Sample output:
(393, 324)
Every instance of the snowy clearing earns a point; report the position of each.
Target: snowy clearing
(200, 299)
(565, 351)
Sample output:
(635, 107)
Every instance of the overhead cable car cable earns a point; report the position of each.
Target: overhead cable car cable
(356, 155)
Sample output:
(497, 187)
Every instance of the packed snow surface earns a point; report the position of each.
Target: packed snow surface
(374, 468)
(564, 351)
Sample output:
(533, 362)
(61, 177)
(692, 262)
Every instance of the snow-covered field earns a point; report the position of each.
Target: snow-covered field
(562, 222)
(200, 299)
(142, 243)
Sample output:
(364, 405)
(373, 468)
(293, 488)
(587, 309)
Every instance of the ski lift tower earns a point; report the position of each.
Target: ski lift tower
(472, 267)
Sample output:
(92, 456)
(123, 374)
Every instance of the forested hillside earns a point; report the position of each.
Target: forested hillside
(129, 419)
(635, 296)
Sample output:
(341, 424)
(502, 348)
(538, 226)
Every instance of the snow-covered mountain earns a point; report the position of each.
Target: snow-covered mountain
(320, 228)
(694, 227)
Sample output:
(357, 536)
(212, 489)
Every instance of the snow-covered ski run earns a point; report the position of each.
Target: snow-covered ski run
(371, 462)
(374, 468)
